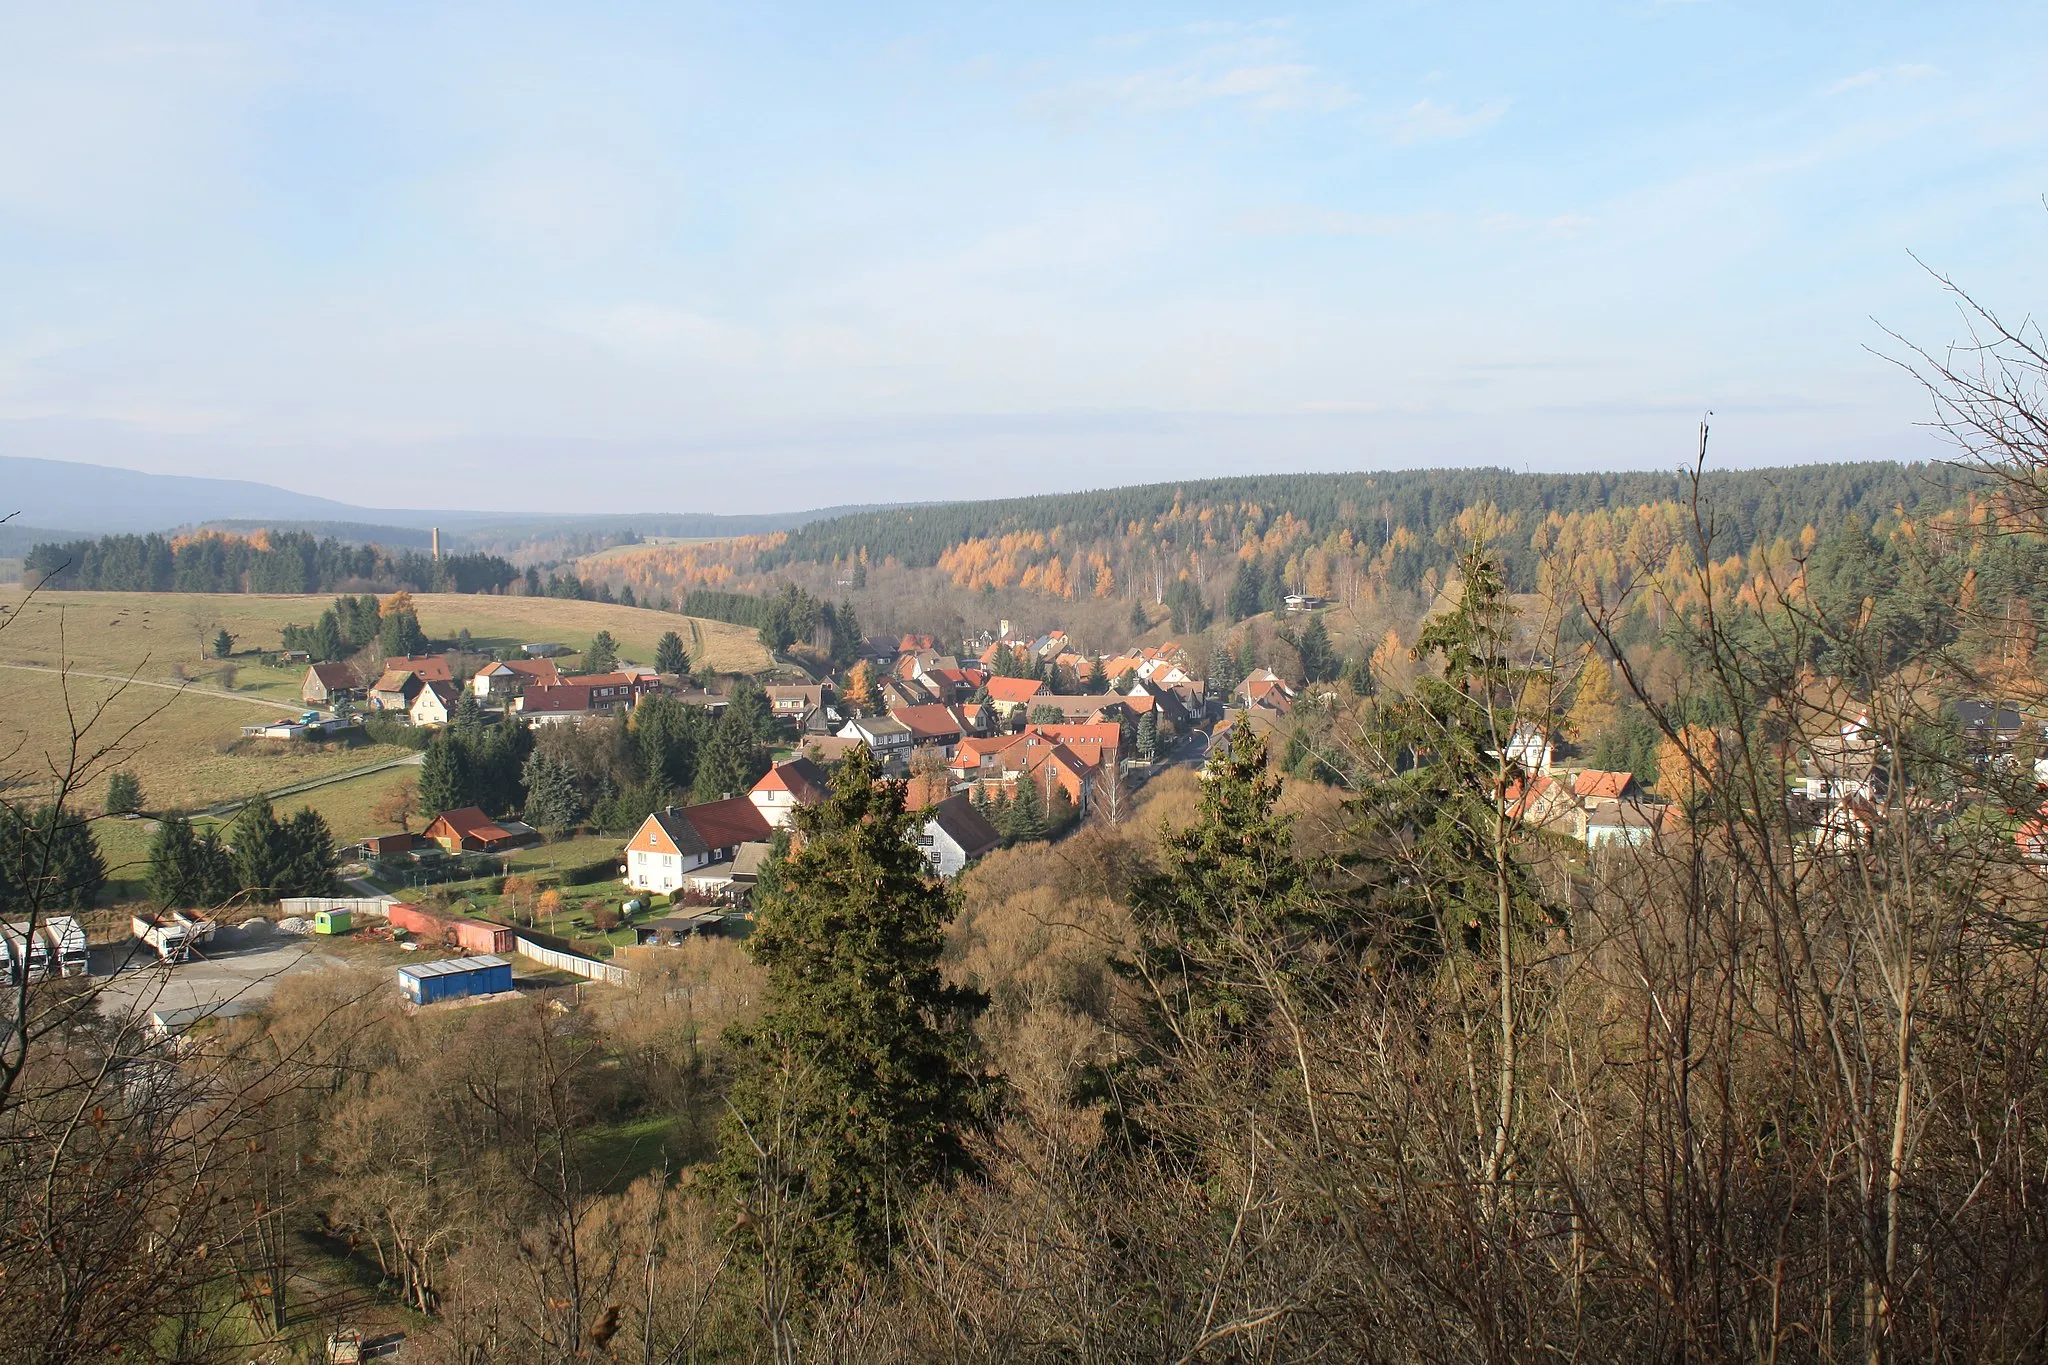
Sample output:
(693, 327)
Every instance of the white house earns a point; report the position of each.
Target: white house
(798, 782)
(673, 843)
(1529, 748)
(883, 734)
(435, 703)
(498, 681)
(954, 835)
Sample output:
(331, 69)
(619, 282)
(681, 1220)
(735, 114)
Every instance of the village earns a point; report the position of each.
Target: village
(1005, 737)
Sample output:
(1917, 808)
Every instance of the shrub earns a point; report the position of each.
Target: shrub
(603, 870)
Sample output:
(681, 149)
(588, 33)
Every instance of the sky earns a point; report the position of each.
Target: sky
(756, 257)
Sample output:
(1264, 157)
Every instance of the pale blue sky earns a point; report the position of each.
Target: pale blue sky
(730, 258)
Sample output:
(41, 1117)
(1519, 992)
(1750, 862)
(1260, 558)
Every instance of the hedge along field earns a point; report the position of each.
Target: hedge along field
(158, 635)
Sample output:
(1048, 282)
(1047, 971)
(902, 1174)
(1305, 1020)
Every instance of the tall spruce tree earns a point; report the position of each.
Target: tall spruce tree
(733, 760)
(553, 799)
(444, 782)
(1247, 594)
(669, 654)
(310, 859)
(1448, 811)
(49, 859)
(1024, 818)
(862, 1079)
(399, 634)
(603, 654)
(1231, 919)
(262, 851)
(124, 793)
(188, 869)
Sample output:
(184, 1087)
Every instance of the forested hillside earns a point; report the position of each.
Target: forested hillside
(1110, 560)
(1751, 507)
(261, 561)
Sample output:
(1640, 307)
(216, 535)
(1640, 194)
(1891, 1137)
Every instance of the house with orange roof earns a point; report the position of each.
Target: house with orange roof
(469, 830)
(1034, 754)
(1264, 687)
(786, 786)
(1011, 695)
(1092, 743)
(1595, 784)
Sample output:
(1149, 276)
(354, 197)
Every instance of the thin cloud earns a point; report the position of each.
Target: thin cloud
(1428, 121)
(1245, 65)
(1308, 221)
(1302, 221)
(1901, 73)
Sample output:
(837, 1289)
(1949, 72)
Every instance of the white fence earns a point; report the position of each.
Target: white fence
(570, 962)
(308, 905)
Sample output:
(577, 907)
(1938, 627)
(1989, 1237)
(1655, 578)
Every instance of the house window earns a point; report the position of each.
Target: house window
(668, 860)
(936, 859)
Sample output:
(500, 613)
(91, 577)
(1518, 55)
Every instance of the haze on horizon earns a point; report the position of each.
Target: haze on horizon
(744, 258)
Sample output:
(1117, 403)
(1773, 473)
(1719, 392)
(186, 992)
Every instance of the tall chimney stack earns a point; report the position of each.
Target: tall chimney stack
(437, 545)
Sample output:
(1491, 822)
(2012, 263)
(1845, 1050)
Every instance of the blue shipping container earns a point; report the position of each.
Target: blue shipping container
(457, 977)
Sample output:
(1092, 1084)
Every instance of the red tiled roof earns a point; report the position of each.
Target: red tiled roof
(1089, 742)
(1014, 689)
(1592, 784)
(469, 820)
(928, 723)
(721, 824)
(430, 667)
(557, 700)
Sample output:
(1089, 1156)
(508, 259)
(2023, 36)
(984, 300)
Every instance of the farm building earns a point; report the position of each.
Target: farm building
(469, 830)
(326, 684)
(455, 978)
(478, 936)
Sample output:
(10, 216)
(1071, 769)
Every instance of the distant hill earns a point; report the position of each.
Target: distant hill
(99, 498)
(59, 498)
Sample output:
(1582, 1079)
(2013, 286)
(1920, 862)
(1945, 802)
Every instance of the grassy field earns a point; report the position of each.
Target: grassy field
(179, 729)
(161, 636)
(185, 746)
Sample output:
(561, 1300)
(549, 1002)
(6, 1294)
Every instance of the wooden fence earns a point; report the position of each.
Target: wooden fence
(572, 962)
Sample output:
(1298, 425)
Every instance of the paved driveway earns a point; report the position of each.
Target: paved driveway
(240, 966)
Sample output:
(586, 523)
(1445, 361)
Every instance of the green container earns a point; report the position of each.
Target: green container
(332, 921)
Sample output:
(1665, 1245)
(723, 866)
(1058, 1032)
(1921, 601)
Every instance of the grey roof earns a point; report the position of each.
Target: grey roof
(750, 859)
(452, 966)
(965, 825)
